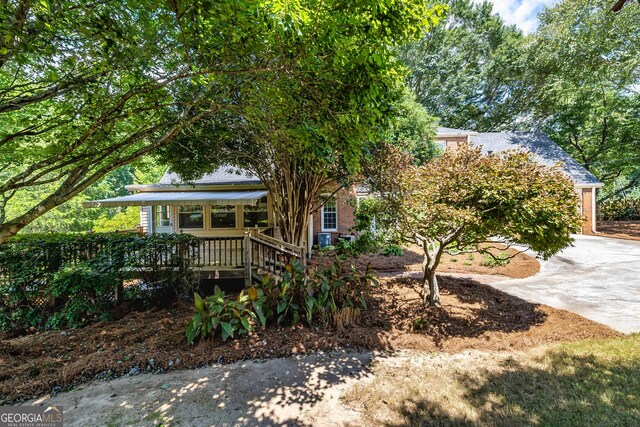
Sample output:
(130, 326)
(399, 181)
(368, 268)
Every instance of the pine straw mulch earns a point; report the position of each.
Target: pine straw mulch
(520, 266)
(473, 316)
(628, 230)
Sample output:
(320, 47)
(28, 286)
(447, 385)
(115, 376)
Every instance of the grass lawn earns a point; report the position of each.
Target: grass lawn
(589, 382)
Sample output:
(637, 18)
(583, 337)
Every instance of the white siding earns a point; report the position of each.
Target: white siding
(145, 219)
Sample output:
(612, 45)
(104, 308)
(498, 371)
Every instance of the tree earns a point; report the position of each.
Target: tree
(466, 201)
(307, 132)
(584, 63)
(467, 71)
(86, 87)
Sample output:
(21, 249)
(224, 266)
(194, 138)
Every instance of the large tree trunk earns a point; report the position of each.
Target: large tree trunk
(295, 193)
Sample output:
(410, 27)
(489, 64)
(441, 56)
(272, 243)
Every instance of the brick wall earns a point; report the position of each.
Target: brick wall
(346, 200)
(453, 141)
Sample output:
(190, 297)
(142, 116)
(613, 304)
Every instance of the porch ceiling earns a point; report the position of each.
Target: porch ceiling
(182, 198)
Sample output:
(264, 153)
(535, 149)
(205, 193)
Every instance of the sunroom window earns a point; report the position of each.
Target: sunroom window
(257, 216)
(223, 216)
(191, 216)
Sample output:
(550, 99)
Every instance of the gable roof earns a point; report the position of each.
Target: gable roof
(545, 151)
(442, 131)
(225, 174)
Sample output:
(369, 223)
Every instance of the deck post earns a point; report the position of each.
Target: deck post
(247, 258)
(119, 297)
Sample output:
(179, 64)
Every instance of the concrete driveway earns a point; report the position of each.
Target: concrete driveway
(598, 278)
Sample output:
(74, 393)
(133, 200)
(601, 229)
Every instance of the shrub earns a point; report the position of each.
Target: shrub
(318, 296)
(56, 280)
(627, 209)
(232, 317)
(83, 293)
(392, 250)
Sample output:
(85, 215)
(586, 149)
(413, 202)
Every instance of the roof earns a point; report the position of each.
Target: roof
(442, 131)
(543, 148)
(225, 174)
(182, 198)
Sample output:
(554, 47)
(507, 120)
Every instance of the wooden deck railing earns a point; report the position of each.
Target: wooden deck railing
(269, 255)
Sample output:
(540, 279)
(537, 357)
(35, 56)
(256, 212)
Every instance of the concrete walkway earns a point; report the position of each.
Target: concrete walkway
(598, 278)
(296, 391)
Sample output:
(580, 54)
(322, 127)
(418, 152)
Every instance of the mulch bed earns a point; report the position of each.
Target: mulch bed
(522, 265)
(473, 316)
(629, 230)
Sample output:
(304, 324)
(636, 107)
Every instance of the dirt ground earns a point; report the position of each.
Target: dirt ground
(522, 265)
(473, 316)
(629, 230)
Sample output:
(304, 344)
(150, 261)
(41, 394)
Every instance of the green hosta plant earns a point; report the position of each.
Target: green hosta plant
(231, 317)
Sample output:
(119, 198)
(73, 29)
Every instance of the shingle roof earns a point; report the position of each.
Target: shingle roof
(452, 131)
(544, 149)
(225, 174)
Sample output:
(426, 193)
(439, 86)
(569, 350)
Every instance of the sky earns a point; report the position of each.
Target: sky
(523, 13)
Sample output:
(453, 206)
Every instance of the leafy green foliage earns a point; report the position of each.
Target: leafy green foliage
(499, 260)
(464, 199)
(305, 131)
(82, 293)
(318, 296)
(392, 250)
(89, 87)
(584, 65)
(58, 280)
(467, 71)
(315, 299)
(231, 317)
(627, 209)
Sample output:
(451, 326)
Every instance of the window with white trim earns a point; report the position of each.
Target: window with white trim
(442, 147)
(161, 216)
(329, 216)
(191, 216)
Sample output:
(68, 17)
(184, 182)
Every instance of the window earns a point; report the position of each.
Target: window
(191, 217)
(223, 216)
(257, 216)
(442, 147)
(161, 216)
(330, 216)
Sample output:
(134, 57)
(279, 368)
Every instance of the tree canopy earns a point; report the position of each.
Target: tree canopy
(576, 78)
(464, 200)
(304, 133)
(584, 63)
(467, 71)
(88, 87)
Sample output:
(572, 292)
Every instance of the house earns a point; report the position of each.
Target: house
(229, 202)
(544, 151)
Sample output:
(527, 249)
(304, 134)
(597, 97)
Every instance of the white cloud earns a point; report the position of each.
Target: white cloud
(523, 13)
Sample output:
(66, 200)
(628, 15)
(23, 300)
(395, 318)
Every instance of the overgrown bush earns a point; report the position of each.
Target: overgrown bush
(58, 280)
(627, 209)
